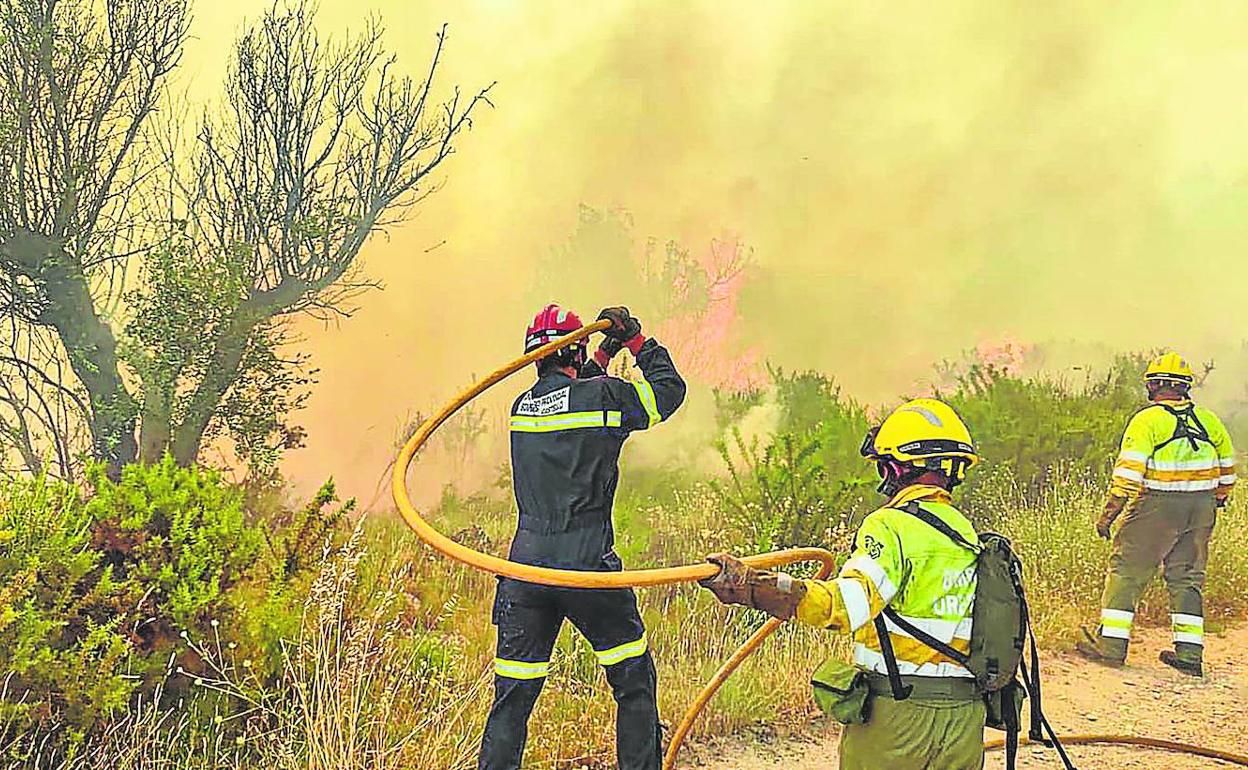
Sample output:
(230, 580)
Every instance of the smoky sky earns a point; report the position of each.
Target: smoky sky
(912, 179)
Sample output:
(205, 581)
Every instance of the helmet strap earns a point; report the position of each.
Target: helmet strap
(571, 357)
(896, 475)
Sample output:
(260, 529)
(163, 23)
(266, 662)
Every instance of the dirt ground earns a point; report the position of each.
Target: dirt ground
(1145, 699)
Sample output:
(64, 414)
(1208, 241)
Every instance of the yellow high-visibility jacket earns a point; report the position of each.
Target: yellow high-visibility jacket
(901, 561)
(1155, 458)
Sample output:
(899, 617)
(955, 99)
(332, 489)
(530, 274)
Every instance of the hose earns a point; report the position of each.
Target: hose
(577, 579)
(1132, 740)
(661, 576)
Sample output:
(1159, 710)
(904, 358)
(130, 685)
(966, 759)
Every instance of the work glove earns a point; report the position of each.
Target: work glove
(1113, 507)
(623, 326)
(777, 594)
(607, 350)
(597, 365)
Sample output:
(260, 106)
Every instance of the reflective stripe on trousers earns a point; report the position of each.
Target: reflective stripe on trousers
(1188, 629)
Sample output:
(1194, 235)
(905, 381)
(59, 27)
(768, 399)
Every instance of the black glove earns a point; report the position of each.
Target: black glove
(610, 345)
(596, 366)
(623, 326)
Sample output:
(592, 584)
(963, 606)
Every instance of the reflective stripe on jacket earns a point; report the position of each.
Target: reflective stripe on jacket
(566, 437)
(1155, 457)
(902, 562)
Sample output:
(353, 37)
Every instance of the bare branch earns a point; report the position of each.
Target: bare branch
(79, 81)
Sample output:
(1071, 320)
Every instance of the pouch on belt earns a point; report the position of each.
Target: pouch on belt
(1004, 707)
(841, 691)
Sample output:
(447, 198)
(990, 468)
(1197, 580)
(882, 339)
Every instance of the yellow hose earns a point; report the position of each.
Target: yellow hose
(573, 578)
(1133, 740)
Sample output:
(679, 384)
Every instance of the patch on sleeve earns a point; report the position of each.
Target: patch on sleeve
(554, 402)
(873, 547)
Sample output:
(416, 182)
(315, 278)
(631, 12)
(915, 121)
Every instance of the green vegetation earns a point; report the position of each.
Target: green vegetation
(170, 617)
(100, 592)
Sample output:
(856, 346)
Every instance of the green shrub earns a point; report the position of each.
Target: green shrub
(96, 592)
(732, 405)
(296, 539)
(265, 611)
(809, 479)
(1035, 425)
(1032, 433)
(776, 498)
(62, 645)
(179, 539)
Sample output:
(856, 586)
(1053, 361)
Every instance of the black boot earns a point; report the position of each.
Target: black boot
(1090, 648)
(1189, 667)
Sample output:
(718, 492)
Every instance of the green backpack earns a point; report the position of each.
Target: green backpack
(1001, 627)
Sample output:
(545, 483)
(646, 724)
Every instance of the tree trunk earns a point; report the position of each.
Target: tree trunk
(155, 429)
(223, 372)
(89, 342)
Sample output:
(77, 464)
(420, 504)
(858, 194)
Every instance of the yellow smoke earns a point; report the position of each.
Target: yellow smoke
(915, 179)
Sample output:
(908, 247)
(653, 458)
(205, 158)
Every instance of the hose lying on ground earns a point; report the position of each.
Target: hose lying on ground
(1132, 740)
(639, 578)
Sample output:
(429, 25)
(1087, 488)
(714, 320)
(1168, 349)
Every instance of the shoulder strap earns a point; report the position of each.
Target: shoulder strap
(935, 522)
(961, 658)
(1196, 430)
(1040, 725)
(900, 691)
(1187, 426)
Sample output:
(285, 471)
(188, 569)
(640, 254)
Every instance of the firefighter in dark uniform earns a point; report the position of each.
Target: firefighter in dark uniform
(566, 435)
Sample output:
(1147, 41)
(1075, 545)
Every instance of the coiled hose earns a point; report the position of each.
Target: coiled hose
(628, 578)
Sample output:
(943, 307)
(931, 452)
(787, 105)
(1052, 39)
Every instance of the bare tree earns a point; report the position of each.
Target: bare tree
(319, 145)
(43, 420)
(78, 81)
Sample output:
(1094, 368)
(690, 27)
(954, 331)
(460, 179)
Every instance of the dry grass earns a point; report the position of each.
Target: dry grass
(1065, 562)
(392, 666)
(361, 689)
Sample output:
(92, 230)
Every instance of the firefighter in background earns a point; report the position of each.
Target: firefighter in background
(900, 560)
(566, 435)
(1175, 469)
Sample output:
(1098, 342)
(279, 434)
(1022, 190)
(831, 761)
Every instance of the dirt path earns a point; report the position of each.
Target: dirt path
(1145, 698)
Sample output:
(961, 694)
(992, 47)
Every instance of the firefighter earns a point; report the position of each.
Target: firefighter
(566, 435)
(1175, 469)
(900, 560)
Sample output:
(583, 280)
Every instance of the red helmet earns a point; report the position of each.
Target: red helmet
(549, 324)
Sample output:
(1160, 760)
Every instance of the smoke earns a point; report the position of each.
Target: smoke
(910, 182)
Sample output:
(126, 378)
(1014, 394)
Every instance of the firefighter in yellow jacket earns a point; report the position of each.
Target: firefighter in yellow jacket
(1175, 469)
(922, 451)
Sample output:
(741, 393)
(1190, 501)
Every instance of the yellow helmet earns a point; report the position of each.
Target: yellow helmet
(1169, 366)
(922, 429)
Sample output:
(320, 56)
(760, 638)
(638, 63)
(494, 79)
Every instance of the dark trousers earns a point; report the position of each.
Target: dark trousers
(528, 617)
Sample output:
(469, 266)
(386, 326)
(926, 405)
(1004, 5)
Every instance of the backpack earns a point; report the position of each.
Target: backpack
(1001, 627)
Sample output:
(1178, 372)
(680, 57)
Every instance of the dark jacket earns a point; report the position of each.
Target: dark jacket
(566, 437)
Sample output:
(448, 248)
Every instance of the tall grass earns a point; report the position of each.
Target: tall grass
(1065, 561)
(392, 665)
